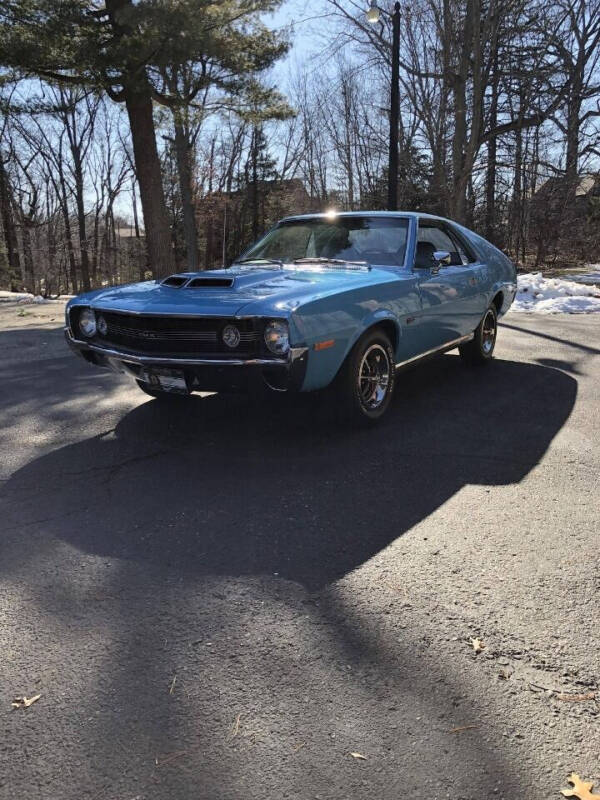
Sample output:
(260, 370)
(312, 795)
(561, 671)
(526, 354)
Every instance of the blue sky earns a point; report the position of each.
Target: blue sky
(301, 14)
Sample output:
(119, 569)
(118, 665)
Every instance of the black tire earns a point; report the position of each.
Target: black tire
(160, 394)
(480, 350)
(369, 365)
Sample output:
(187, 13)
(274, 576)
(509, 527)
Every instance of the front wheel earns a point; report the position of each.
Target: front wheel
(481, 348)
(365, 383)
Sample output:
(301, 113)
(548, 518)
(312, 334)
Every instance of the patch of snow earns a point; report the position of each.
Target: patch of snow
(16, 297)
(26, 298)
(554, 295)
(591, 276)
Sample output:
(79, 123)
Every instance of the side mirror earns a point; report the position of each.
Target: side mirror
(442, 257)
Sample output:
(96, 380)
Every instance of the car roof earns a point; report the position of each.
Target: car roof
(330, 214)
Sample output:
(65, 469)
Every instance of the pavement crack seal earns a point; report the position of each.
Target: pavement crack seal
(32, 522)
(114, 468)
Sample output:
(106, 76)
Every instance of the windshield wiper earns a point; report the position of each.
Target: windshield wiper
(323, 260)
(277, 261)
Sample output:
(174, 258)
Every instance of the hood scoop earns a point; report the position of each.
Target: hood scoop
(179, 281)
(174, 280)
(200, 283)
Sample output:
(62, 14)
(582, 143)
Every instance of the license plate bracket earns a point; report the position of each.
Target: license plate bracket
(167, 380)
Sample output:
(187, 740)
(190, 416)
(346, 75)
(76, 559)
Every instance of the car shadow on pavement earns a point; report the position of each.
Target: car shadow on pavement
(218, 485)
(208, 540)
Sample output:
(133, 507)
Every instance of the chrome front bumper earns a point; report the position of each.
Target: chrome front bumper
(205, 373)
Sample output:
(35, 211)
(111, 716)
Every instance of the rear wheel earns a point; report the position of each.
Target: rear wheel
(365, 383)
(481, 348)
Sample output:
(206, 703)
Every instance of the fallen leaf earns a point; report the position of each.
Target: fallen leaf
(463, 728)
(477, 645)
(576, 698)
(581, 789)
(25, 702)
(359, 756)
(173, 682)
(235, 727)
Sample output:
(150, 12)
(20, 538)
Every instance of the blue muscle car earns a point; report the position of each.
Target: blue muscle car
(345, 299)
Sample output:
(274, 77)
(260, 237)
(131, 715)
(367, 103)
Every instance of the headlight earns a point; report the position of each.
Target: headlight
(87, 322)
(277, 337)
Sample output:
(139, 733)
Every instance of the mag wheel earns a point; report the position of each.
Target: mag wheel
(481, 348)
(366, 381)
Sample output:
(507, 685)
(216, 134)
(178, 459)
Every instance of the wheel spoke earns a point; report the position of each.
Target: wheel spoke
(374, 376)
(488, 332)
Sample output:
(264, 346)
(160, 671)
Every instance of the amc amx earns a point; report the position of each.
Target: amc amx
(344, 299)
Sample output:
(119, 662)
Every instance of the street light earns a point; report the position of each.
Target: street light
(373, 16)
(373, 12)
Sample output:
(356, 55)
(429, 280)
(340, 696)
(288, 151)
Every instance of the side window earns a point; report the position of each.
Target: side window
(465, 251)
(432, 238)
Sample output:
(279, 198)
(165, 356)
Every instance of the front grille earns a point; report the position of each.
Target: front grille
(174, 336)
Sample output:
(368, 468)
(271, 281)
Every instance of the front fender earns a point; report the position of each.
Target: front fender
(370, 321)
(324, 364)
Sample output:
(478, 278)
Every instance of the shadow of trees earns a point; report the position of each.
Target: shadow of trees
(222, 535)
(220, 486)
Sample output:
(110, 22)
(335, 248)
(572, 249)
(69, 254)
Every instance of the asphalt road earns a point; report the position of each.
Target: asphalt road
(225, 600)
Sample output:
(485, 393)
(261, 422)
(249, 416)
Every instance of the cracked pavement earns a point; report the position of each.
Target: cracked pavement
(224, 600)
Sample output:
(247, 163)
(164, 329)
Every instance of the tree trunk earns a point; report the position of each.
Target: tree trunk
(138, 102)
(254, 193)
(142, 265)
(51, 240)
(182, 152)
(515, 216)
(79, 200)
(490, 184)
(573, 129)
(68, 235)
(28, 256)
(96, 241)
(459, 139)
(10, 231)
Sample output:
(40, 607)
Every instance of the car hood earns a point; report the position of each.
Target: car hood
(277, 291)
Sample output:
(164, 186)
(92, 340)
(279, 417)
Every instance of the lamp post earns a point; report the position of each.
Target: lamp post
(373, 16)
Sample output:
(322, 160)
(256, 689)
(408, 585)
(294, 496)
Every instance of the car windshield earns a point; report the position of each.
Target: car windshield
(376, 240)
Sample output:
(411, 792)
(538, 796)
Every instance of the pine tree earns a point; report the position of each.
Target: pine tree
(123, 48)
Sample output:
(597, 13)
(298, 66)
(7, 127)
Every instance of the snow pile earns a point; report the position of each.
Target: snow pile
(591, 276)
(29, 298)
(16, 297)
(554, 295)
(26, 298)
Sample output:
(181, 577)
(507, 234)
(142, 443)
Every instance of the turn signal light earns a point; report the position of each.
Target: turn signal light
(324, 345)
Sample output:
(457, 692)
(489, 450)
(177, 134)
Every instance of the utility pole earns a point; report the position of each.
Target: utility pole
(373, 16)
